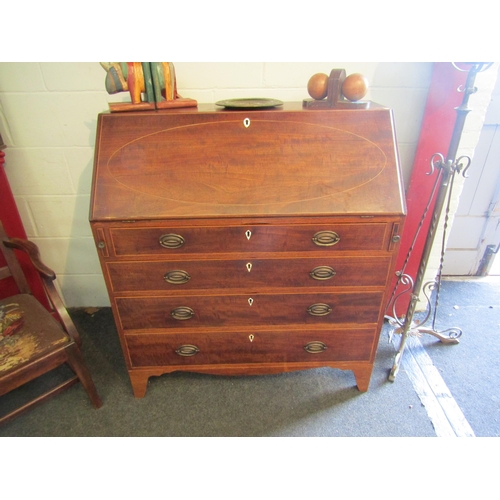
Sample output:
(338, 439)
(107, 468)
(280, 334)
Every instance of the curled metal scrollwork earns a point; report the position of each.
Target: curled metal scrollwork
(448, 336)
(437, 161)
(406, 281)
(460, 166)
(427, 290)
(417, 328)
(453, 332)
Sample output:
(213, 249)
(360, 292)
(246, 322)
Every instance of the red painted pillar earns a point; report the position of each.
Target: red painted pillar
(435, 137)
(12, 223)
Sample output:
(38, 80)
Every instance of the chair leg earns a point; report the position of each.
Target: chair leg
(77, 364)
(41, 399)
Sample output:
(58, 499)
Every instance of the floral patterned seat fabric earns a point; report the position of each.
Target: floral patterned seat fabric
(22, 320)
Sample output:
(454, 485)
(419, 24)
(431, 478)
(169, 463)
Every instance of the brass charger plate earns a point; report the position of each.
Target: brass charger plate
(252, 103)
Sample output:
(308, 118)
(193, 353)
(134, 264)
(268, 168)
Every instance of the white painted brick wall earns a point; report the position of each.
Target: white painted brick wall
(48, 116)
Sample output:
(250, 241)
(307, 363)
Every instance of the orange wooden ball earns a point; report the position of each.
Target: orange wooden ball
(355, 87)
(317, 86)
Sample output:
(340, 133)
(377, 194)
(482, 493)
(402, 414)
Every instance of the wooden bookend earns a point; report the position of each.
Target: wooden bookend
(335, 97)
(152, 85)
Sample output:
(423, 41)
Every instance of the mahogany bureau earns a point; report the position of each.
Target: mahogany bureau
(240, 242)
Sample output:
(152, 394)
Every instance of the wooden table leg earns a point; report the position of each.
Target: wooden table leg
(363, 376)
(139, 383)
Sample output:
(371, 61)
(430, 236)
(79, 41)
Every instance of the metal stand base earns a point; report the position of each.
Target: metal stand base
(449, 336)
(409, 327)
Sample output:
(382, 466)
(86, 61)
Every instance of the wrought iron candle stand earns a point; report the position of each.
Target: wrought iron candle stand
(446, 169)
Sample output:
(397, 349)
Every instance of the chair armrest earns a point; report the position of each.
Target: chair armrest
(48, 276)
(34, 254)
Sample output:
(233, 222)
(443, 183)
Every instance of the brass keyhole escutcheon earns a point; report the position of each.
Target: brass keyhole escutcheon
(248, 234)
(251, 337)
(246, 122)
(249, 266)
(250, 301)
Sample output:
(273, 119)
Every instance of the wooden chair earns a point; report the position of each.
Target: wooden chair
(34, 341)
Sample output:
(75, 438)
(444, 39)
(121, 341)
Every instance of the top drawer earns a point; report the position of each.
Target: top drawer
(252, 238)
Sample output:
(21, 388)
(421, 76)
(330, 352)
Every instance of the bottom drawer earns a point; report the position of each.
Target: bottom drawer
(247, 347)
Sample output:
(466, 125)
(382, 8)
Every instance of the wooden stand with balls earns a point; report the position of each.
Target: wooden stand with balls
(336, 91)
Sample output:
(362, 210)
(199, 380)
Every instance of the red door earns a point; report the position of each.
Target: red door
(435, 137)
(12, 223)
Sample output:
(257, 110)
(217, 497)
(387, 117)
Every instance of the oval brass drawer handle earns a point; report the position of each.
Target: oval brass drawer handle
(326, 238)
(315, 347)
(322, 273)
(187, 350)
(319, 309)
(171, 240)
(177, 277)
(182, 313)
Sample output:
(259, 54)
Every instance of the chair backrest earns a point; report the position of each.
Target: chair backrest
(13, 268)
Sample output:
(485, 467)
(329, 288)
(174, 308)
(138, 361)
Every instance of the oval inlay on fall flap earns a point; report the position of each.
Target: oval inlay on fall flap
(230, 164)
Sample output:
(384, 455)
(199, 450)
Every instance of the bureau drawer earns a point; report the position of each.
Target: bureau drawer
(246, 347)
(252, 238)
(139, 313)
(213, 274)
